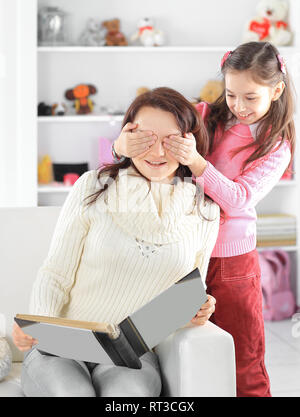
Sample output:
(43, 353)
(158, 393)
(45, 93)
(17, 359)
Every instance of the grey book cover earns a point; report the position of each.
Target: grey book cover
(143, 330)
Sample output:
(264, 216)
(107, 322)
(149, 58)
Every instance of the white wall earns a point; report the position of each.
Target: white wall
(18, 155)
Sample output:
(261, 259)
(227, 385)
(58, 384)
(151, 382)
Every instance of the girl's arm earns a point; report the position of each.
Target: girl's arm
(245, 190)
(56, 276)
(251, 186)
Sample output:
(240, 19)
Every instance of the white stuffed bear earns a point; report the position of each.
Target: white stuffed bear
(147, 34)
(270, 25)
(5, 358)
(93, 34)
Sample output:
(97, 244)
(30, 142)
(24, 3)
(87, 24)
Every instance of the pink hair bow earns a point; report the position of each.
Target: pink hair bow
(282, 64)
(225, 57)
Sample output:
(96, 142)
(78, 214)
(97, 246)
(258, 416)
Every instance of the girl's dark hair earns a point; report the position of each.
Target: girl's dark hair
(261, 59)
(187, 118)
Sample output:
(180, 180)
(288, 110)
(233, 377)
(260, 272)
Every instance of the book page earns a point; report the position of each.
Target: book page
(89, 325)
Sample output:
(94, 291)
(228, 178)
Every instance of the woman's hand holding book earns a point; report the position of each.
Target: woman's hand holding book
(205, 311)
(23, 341)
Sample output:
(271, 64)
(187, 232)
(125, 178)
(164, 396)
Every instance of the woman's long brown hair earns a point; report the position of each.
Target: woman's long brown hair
(261, 59)
(188, 120)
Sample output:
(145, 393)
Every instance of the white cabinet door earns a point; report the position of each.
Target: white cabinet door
(18, 142)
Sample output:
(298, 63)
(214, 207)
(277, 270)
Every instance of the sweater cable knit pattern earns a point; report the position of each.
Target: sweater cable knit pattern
(94, 269)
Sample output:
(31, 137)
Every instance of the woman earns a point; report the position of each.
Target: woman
(125, 234)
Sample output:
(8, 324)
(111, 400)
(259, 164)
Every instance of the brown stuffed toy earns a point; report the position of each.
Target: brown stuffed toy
(80, 94)
(210, 92)
(141, 90)
(114, 37)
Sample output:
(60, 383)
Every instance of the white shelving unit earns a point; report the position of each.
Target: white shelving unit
(145, 50)
(94, 118)
(190, 58)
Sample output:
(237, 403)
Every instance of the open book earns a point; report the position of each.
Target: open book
(125, 343)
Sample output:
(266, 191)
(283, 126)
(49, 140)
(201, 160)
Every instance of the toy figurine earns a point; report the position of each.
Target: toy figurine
(45, 175)
(113, 36)
(147, 34)
(80, 94)
(59, 109)
(270, 25)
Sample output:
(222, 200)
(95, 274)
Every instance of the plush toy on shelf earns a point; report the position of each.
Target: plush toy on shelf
(113, 36)
(59, 109)
(44, 109)
(5, 358)
(80, 94)
(147, 35)
(141, 90)
(270, 25)
(210, 92)
(45, 171)
(93, 34)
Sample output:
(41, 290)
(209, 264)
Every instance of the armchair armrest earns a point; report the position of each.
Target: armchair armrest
(198, 361)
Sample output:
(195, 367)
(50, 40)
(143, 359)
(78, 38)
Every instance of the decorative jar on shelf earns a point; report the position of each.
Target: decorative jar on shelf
(53, 27)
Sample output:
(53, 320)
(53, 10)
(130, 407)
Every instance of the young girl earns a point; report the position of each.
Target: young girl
(252, 143)
(125, 234)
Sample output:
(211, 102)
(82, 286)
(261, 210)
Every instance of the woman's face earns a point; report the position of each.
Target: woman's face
(156, 164)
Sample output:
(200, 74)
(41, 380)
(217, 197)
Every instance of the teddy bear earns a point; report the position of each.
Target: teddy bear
(113, 36)
(5, 358)
(270, 25)
(147, 35)
(93, 34)
(210, 92)
(141, 90)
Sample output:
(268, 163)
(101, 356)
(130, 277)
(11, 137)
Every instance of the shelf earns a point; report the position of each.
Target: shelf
(130, 49)
(54, 188)
(143, 49)
(285, 248)
(81, 119)
(287, 183)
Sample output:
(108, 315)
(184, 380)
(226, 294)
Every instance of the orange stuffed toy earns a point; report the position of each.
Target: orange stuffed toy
(80, 94)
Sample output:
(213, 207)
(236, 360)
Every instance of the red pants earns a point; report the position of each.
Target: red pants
(235, 283)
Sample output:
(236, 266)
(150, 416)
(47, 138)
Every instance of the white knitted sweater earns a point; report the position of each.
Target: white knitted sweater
(109, 259)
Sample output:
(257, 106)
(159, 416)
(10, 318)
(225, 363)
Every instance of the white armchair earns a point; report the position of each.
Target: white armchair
(195, 361)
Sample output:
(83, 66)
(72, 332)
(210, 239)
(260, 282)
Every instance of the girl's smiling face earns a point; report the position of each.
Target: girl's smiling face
(248, 101)
(156, 164)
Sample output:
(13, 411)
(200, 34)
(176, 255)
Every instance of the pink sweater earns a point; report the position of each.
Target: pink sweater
(237, 194)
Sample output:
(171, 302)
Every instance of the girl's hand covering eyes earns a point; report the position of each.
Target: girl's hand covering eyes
(183, 149)
(132, 144)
